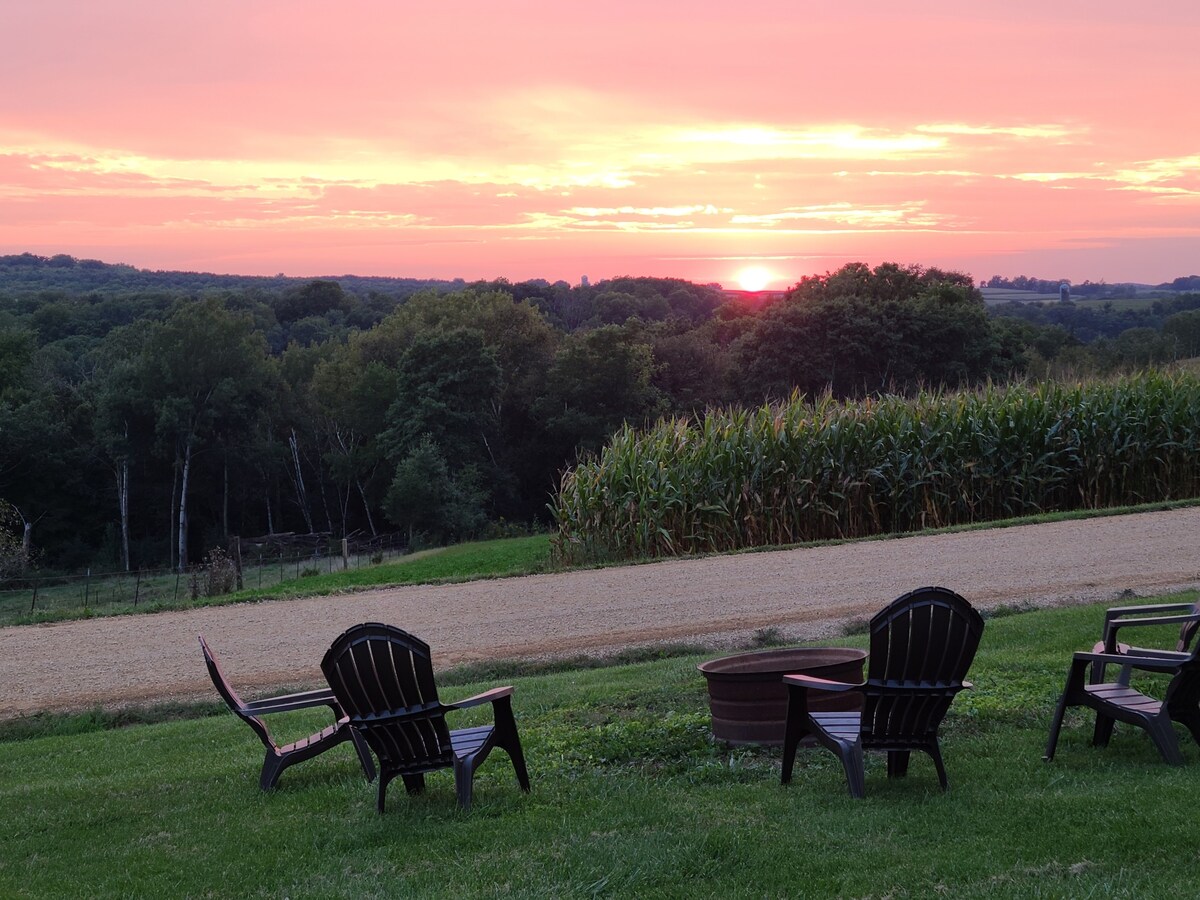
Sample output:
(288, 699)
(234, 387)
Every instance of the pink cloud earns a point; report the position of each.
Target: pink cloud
(465, 138)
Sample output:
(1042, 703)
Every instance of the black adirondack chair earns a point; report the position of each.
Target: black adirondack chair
(383, 678)
(921, 647)
(279, 758)
(1118, 702)
(1186, 615)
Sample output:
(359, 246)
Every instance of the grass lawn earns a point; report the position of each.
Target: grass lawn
(630, 798)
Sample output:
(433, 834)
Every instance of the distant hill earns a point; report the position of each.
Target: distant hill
(999, 289)
(993, 295)
(27, 274)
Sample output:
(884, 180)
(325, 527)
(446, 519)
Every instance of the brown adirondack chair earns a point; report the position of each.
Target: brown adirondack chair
(383, 678)
(279, 758)
(1118, 702)
(1186, 615)
(922, 645)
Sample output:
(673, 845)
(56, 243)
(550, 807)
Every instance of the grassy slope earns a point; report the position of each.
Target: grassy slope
(462, 562)
(630, 798)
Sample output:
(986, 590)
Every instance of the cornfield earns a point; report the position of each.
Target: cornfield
(803, 471)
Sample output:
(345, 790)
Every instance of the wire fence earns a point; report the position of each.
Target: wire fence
(248, 565)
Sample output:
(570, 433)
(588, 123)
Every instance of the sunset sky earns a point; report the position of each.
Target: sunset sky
(554, 140)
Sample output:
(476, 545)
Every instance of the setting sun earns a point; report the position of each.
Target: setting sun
(754, 278)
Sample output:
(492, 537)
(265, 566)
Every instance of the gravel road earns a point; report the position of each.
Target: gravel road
(807, 593)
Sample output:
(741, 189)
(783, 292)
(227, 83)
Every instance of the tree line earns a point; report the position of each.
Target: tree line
(1087, 324)
(1092, 290)
(144, 425)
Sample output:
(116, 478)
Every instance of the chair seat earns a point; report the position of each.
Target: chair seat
(467, 741)
(841, 726)
(323, 735)
(1125, 697)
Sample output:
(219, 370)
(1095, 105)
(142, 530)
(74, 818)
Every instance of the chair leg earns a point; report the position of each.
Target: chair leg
(414, 784)
(1056, 725)
(935, 752)
(1102, 733)
(384, 778)
(795, 727)
(897, 763)
(851, 755)
(1163, 735)
(793, 730)
(364, 754)
(509, 740)
(272, 768)
(464, 781)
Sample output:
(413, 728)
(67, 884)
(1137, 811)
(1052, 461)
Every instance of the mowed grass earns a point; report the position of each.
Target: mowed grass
(460, 562)
(630, 798)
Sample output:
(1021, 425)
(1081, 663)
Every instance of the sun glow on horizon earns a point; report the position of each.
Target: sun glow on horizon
(754, 278)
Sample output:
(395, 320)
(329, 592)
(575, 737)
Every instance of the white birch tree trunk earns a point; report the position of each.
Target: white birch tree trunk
(298, 479)
(183, 509)
(367, 506)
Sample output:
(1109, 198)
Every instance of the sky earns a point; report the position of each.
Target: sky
(477, 139)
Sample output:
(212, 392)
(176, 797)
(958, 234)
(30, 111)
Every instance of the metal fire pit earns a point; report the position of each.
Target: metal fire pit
(748, 699)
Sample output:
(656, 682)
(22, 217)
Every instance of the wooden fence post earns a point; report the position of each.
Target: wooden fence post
(235, 551)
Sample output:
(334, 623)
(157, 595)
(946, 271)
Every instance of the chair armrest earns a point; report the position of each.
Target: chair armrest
(1111, 626)
(1148, 663)
(820, 684)
(1153, 620)
(290, 702)
(1117, 611)
(1175, 656)
(486, 697)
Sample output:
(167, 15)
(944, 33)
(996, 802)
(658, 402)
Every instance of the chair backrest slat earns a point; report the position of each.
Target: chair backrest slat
(231, 697)
(922, 645)
(383, 677)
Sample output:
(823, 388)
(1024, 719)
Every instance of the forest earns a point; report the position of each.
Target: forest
(147, 417)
